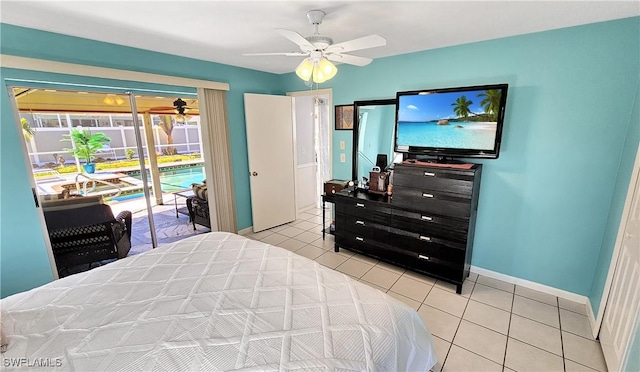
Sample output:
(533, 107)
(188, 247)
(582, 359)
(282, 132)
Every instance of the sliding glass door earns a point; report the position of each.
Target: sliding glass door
(136, 135)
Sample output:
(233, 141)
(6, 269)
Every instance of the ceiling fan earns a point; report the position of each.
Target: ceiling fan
(320, 49)
(179, 108)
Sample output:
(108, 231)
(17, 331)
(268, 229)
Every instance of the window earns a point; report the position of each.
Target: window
(40, 120)
(104, 121)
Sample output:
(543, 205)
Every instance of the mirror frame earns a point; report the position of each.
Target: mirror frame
(356, 127)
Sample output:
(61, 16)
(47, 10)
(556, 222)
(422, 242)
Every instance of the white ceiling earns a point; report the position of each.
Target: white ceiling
(221, 31)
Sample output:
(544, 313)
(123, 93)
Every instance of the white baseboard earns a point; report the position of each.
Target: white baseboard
(246, 231)
(595, 329)
(542, 288)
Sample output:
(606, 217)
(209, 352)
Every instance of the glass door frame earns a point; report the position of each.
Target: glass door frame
(18, 83)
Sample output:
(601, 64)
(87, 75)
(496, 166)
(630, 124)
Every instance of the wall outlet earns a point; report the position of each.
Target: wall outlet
(343, 158)
(341, 145)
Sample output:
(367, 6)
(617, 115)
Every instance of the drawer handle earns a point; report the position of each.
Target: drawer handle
(424, 194)
(423, 257)
(359, 239)
(360, 223)
(430, 174)
(427, 218)
(360, 205)
(425, 238)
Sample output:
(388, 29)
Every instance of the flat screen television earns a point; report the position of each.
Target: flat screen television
(464, 122)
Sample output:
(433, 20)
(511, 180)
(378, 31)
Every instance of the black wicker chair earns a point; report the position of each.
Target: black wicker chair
(198, 211)
(85, 233)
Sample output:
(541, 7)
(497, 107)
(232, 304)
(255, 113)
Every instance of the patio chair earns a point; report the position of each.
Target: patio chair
(198, 206)
(83, 231)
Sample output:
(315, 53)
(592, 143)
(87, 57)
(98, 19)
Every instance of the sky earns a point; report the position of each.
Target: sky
(435, 106)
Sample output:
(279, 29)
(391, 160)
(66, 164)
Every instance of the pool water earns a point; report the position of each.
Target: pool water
(180, 179)
(171, 180)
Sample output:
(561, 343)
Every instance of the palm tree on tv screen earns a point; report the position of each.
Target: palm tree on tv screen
(491, 102)
(461, 107)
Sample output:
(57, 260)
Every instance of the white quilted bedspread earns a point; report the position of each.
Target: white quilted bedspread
(216, 301)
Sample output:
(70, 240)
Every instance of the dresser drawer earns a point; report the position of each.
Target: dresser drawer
(434, 249)
(376, 245)
(429, 223)
(362, 226)
(441, 203)
(436, 179)
(412, 260)
(380, 213)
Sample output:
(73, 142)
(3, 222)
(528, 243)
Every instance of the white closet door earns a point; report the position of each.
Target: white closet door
(269, 123)
(623, 304)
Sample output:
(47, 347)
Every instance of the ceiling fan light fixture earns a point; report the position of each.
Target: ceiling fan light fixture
(328, 69)
(112, 99)
(108, 100)
(318, 76)
(315, 70)
(305, 69)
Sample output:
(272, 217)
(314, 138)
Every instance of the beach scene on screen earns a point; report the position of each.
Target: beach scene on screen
(458, 120)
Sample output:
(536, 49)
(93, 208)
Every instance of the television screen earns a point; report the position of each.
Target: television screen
(453, 122)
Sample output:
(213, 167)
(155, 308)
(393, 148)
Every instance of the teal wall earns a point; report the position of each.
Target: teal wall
(24, 263)
(545, 202)
(22, 248)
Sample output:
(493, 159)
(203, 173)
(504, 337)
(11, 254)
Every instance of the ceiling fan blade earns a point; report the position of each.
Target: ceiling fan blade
(288, 54)
(349, 59)
(370, 41)
(304, 44)
(162, 108)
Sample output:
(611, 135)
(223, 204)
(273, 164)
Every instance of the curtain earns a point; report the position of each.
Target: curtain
(217, 156)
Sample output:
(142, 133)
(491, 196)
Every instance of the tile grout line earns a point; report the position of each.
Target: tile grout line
(457, 328)
(533, 299)
(525, 317)
(571, 311)
(365, 273)
(448, 350)
(506, 346)
(481, 356)
(394, 283)
(564, 362)
(514, 292)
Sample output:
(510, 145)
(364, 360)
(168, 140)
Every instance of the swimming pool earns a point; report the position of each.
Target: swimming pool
(171, 179)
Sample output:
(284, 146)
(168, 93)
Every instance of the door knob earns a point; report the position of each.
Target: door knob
(254, 174)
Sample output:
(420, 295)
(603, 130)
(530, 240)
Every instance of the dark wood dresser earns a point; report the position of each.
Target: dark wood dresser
(427, 225)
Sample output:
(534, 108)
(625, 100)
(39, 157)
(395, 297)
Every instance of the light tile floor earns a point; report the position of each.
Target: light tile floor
(491, 326)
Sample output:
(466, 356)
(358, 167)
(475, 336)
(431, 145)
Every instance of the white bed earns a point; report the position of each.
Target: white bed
(215, 301)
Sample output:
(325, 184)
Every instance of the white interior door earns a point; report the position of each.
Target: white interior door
(269, 123)
(623, 304)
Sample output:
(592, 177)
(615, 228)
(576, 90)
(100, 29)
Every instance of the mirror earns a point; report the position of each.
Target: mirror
(373, 134)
